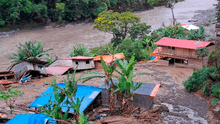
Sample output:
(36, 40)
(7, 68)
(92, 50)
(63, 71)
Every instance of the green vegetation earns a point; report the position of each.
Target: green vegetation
(125, 88)
(103, 50)
(109, 69)
(10, 96)
(29, 51)
(53, 108)
(129, 47)
(79, 50)
(207, 78)
(40, 11)
(198, 79)
(202, 52)
(120, 25)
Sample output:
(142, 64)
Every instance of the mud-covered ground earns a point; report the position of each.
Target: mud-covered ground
(183, 106)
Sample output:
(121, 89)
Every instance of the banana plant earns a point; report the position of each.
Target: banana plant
(65, 97)
(126, 87)
(109, 69)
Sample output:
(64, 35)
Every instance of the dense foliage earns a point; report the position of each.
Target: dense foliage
(129, 47)
(29, 51)
(27, 11)
(207, 78)
(121, 25)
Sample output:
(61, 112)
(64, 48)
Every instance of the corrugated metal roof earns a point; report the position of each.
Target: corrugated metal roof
(145, 88)
(188, 44)
(108, 58)
(77, 58)
(31, 119)
(81, 91)
(60, 70)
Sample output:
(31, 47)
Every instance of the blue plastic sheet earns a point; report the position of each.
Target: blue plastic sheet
(31, 119)
(81, 91)
(152, 58)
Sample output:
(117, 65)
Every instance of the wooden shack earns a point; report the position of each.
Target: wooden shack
(143, 96)
(83, 62)
(181, 53)
(35, 67)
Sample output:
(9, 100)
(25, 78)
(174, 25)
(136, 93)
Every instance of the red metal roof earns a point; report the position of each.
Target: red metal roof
(58, 70)
(188, 44)
(77, 58)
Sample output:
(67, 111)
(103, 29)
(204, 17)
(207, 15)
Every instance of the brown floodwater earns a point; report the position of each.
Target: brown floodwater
(64, 38)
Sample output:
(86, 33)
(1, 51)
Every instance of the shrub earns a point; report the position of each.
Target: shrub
(103, 50)
(214, 101)
(216, 90)
(10, 96)
(198, 79)
(79, 50)
(129, 47)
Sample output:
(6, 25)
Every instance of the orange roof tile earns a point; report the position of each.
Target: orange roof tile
(108, 58)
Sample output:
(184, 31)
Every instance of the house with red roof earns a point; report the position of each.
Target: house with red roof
(180, 52)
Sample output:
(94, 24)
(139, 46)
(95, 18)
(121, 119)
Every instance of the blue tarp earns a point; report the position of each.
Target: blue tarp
(90, 93)
(31, 119)
(152, 58)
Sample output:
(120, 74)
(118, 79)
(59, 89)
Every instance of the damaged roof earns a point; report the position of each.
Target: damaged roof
(90, 93)
(187, 44)
(59, 70)
(108, 58)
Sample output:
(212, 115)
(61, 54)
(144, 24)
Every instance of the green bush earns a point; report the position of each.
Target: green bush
(198, 79)
(216, 90)
(129, 47)
(79, 50)
(103, 50)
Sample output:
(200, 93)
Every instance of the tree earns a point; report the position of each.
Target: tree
(170, 4)
(202, 52)
(29, 51)
(116, 23)
(10, 96)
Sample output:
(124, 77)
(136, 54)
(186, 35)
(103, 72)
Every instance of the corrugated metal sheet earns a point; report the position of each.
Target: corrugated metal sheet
(82, 90)
(31, 119)
(108, 58)
(77, 58)
(60, 70)
(145, 88)
(188, 44)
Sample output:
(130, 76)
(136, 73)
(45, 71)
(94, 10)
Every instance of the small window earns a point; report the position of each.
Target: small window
(76, 62)
(173, 48)
(87, 62)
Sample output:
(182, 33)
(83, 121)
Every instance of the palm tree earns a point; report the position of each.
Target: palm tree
(202, 52)
(29, 51)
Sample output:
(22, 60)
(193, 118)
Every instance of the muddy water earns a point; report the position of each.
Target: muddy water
(62, 39)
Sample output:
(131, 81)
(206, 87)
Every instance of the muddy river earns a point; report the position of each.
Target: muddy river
(64, 38)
